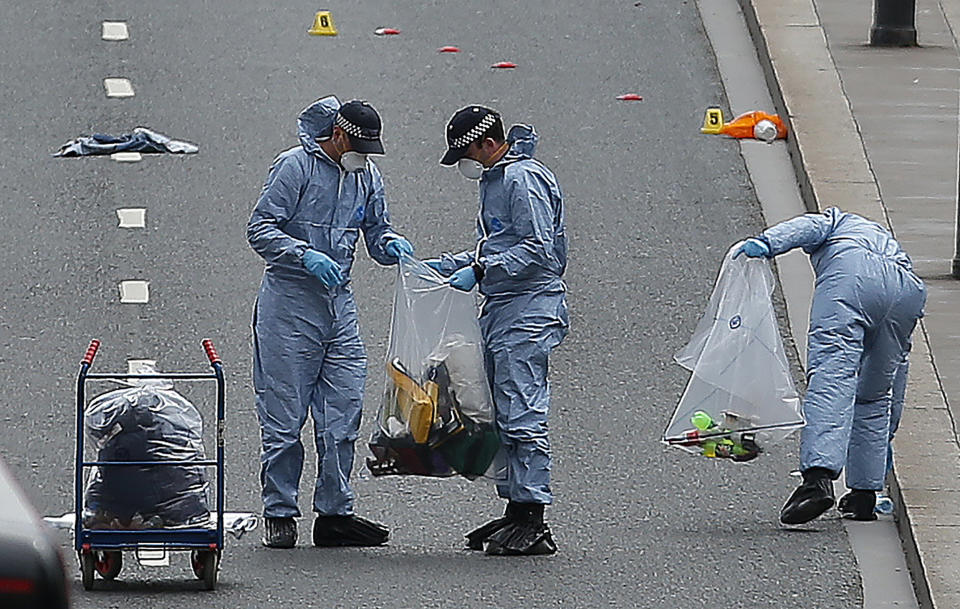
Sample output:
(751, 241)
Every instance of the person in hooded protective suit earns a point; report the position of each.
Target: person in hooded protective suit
(317, 200)
(518, 263)
(866, 303)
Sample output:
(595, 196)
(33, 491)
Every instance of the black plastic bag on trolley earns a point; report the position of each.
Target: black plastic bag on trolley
(436, 417)
(145, 422)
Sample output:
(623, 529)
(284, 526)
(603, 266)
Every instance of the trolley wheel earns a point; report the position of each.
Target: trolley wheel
(108, 564)
(86, 569)
(205, 565)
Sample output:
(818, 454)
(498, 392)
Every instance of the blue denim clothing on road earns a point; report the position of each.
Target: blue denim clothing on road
(308, 356)
(141, 140)
(522, 249)
(866, 304)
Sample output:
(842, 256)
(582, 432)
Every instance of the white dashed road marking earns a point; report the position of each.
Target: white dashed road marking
(132, 218)
(131, 291)
(126, 157)
(134, 292)
(133, 365)
(118, 87)
(115, 30)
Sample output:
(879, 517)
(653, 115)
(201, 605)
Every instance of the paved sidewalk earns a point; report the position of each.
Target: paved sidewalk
(875, 131)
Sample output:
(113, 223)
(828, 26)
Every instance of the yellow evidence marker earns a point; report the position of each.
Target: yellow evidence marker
(323, 25)
(713, 121)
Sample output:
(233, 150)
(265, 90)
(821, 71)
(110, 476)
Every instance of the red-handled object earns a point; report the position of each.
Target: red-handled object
(91, 352)
(212, 354)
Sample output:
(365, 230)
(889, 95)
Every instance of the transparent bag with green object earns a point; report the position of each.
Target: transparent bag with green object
(740, 397)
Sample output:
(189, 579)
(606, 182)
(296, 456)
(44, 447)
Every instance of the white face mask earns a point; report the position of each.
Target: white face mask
(470, 168)
(353, 161)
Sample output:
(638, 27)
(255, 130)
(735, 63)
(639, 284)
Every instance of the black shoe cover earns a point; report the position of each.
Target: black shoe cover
(476, 537)
(858, 505)
(348, 531)
(810, 500)
(279, 532)
(525, 539)
(525, 533)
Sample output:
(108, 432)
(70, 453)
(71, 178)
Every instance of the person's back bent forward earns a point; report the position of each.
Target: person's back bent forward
(866, 303)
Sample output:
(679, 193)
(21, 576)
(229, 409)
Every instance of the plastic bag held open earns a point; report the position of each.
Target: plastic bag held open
(740, 396)
(436, 416)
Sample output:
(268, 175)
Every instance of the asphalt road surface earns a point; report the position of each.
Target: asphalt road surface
(651, 207)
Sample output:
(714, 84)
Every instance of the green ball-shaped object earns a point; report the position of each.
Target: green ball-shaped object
(702, 420)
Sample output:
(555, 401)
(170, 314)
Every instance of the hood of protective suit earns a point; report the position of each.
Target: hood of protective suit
(523, 143)
(316, 121)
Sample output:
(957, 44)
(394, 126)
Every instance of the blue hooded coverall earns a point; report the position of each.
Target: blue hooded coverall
(522, 248)
(866, 303)
(307, 351)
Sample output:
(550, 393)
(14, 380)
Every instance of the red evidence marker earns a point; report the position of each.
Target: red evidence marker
(630, 97)
(386, 31)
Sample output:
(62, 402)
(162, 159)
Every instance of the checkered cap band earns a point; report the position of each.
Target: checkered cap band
(351, 129)
(479, 129)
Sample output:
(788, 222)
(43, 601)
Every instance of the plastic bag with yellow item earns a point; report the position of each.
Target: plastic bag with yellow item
(436, 416)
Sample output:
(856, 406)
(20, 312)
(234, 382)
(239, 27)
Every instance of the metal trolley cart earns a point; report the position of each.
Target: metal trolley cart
(101, 550)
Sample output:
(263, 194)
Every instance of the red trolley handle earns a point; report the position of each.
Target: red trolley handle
(212, 354)
(91, 352)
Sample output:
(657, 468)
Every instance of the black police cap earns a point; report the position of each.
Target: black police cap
(362, 125)
(464, 128)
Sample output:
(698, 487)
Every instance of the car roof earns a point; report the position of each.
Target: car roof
(17, 516)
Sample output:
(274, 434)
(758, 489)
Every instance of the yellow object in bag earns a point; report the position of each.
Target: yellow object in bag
(417, 405)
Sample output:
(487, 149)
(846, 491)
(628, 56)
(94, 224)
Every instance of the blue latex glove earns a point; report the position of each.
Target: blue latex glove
(323, 267)
(399, 246)
(753, 248)
(435, 263)
(464, 279)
